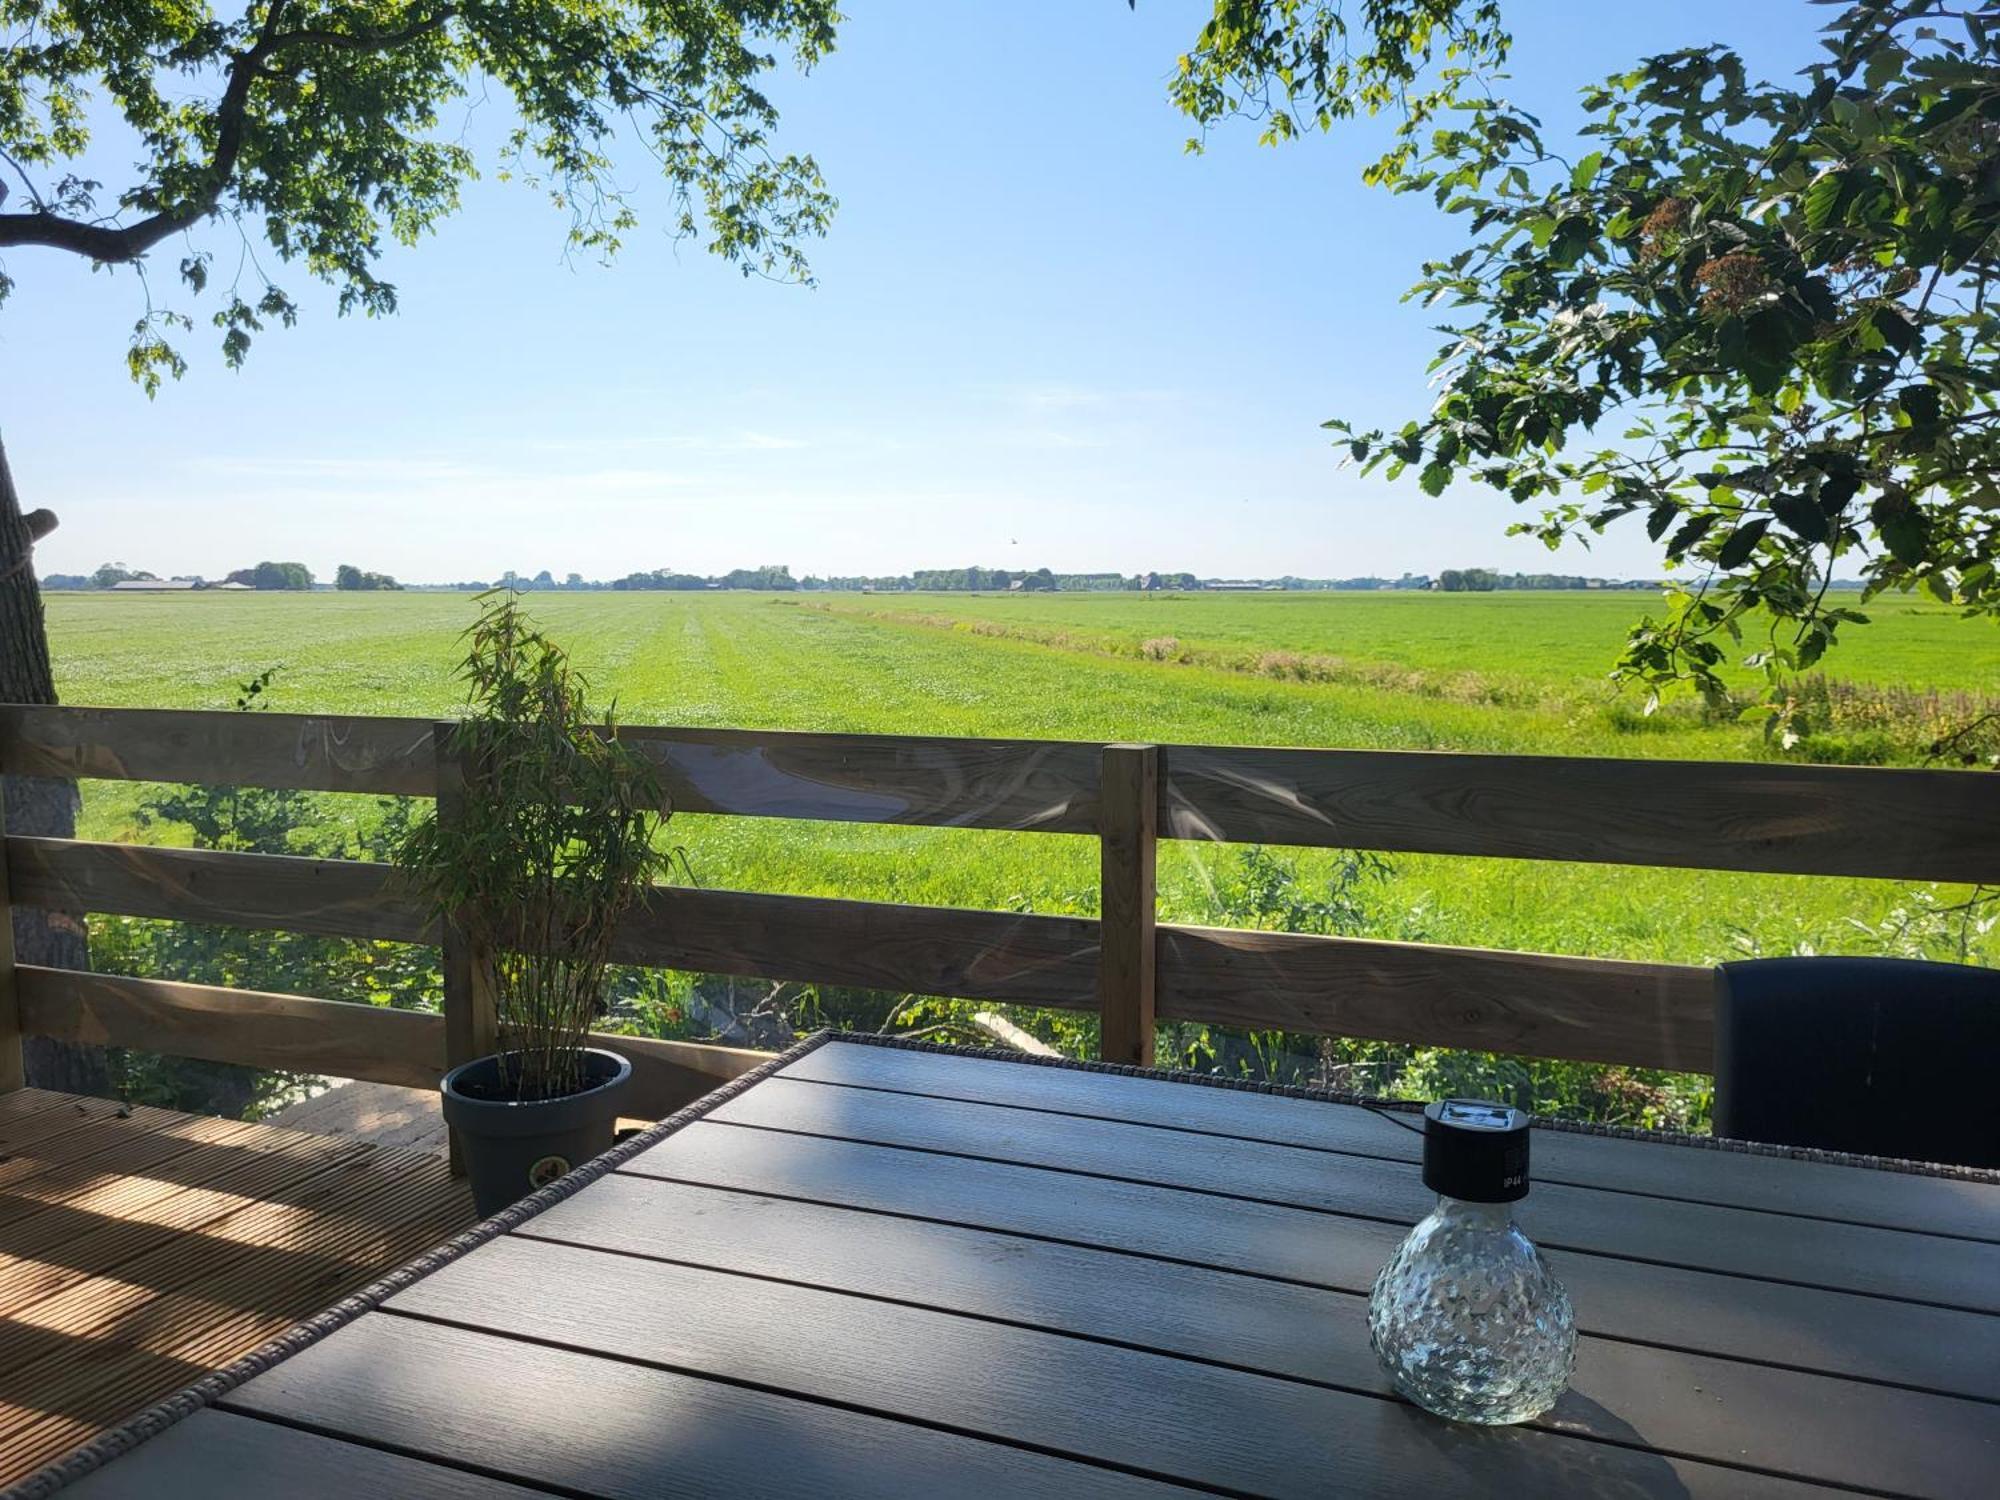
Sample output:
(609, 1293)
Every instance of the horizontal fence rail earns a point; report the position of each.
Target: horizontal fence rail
(1889, 824)
(1022, 958)
(1048, 786)
(294, 1033)
(1544, 1005)
(1707, 815)
(1892, 824)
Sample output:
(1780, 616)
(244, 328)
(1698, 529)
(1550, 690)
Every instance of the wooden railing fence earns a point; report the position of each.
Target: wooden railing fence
(1890, 824)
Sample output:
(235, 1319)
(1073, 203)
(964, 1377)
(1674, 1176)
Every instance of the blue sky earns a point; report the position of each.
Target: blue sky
(1042, 336)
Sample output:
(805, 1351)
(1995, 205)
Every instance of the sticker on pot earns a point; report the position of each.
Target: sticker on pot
(547, 1170)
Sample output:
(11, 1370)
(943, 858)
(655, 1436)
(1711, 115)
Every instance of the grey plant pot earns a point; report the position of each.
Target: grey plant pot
(511, 1148)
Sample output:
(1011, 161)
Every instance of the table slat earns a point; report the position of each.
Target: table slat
(1845, 1257)
(621, 1431)
(1207, 1426)
(1811, 1426)
(1112, 1096)
(1938, 1205)
(1830, 1332)
(214, 1453)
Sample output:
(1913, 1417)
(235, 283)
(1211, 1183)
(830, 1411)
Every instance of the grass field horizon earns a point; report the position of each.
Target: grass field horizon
(1519, 673)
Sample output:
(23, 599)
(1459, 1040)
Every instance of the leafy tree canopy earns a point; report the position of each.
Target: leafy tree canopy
(1754, 317)
(319, 126)
(110, 575)
(1294, 63)
(274, 575)
(351, 578)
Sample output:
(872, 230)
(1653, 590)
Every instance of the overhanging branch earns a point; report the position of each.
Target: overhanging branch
(115, 244)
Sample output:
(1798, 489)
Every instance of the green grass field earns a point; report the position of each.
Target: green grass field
(1560, 640)
(1499, 672)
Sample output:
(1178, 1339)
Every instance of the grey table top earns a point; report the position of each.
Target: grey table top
(880, 1270)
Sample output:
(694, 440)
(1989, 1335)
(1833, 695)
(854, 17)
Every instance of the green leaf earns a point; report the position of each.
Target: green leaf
(1921, 404)
(1901, 526)
(1836, 490)
(1696, 527)
(1885, 65)
(1897, 331)
(1801, 516)
(1823, 199)
(1741, 543)
(1580, 176)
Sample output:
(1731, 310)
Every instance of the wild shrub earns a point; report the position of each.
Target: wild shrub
(254, 820)
(1264, 890)
(1823, 718)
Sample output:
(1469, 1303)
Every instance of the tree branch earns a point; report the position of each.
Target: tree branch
(117, 244)
(364, 42)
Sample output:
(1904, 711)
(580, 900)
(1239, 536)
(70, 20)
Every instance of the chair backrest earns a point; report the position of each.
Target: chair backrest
(1881, 1056)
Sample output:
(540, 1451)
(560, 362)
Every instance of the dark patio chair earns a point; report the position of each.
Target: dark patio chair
(1880, 1056)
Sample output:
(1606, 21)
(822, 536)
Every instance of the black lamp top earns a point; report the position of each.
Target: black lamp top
(1476, 1150)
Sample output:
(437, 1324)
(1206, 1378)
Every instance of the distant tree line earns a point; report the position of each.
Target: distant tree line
(1468, 580)
(265, 575)
(1486, 580)
(274, 575)
(349, 577)
(777, 578)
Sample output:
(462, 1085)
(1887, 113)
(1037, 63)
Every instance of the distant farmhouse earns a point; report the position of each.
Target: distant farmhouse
(157, 585)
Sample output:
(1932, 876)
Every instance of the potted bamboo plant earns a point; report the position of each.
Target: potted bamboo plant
(555, 841)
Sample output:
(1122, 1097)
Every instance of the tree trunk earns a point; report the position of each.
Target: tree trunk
(36, 804)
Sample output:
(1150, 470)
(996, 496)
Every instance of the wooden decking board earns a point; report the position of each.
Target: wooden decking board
(304, 1242)
(173, 1245)
(218, 1161)
(1839, 1256)
(1897, 1200)
(59, 1132)
(23, 1168)
(79, 1382)
(87, 1403)
(62, 1244)
(86, 1391)
(152, 1156)
(197, 1284)
(23, 1102)
(379, 1112)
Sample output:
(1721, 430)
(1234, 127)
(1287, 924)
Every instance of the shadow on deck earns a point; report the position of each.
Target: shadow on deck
(141, 1249)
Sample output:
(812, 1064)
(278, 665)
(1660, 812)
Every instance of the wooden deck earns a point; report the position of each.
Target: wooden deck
(140, 1249)
(385, 1113)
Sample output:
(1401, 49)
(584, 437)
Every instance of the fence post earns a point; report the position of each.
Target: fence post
(1128, 796)
(471, 1027)
(13, 1071)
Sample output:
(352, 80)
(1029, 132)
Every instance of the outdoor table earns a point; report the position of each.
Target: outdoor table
(872, 1268)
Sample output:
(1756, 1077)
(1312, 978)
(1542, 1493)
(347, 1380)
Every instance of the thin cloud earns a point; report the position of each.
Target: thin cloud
(1058, 396)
